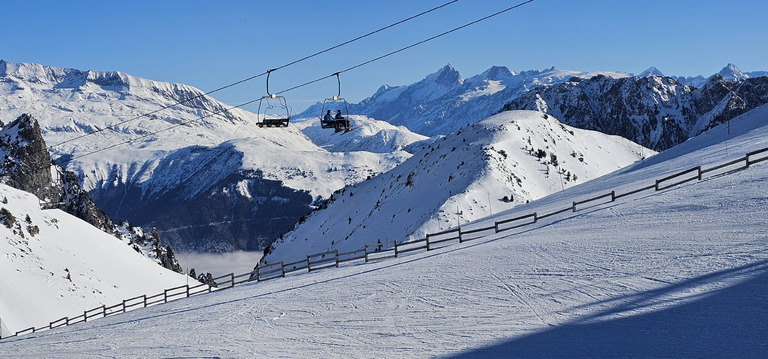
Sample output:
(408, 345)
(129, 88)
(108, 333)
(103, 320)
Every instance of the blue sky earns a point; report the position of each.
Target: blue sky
(208, 44)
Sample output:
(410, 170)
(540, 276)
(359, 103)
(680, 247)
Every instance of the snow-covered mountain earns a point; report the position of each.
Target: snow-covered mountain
(506, 160)
(217, 182)
(444, 102)
(368, 135)
(55, 265)
(651, 71)
(677, 273)
(206, 182)
(655, 111)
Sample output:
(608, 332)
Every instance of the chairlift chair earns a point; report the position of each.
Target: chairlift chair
(270, 102)
(326, 103)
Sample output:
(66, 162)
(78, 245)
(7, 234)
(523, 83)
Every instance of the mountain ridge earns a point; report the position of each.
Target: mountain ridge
(126, 179)
(501, 162)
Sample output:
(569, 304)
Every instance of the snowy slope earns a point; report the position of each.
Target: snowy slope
(184, 159)
(55, 265)
(678, 273)
(370, 135)
(496, 164)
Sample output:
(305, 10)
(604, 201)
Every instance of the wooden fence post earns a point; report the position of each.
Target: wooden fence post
(428, 242)
(337, 258)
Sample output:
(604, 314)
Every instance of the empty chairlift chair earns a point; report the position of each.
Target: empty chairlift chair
(273, 109)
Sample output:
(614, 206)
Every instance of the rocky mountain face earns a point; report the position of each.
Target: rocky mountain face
(28, 166)
(655, 111)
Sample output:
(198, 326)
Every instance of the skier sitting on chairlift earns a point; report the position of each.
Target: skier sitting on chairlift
(341, 121)
(328, 118)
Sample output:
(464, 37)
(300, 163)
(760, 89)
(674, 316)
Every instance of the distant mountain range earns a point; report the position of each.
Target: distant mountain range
(218, 182)
(654, 110)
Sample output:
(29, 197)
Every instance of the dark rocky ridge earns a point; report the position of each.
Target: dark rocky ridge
(654, 111)
(27, 166)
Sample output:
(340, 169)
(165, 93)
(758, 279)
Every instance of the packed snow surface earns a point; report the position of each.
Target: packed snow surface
(681, 273)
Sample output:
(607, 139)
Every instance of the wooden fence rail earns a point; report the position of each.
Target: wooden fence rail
(611, 195)
(697, 170)
(498, 224)
(380, 250)
(323, 260)
(756, 160)
(474, 233)
(389, 249)
(411, 246)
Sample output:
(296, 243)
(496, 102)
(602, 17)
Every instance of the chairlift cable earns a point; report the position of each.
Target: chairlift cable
(253, 77)
(408, 47)
(288, 89)
(155, 132)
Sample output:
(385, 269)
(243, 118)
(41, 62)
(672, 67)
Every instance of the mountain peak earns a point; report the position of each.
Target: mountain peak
(498, 72)
(446, 76)
(732, 73)
(651, 71)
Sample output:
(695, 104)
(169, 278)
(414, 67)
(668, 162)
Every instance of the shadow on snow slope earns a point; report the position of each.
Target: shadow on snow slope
(724, 323)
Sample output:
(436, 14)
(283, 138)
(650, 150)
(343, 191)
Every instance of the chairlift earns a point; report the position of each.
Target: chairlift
(338, 124)
(268, 103)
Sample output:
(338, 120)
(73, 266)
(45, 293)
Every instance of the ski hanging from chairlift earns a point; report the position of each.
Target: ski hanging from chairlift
(271, 102)
(338, 121)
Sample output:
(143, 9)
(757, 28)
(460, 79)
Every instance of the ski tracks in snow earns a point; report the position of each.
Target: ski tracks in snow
(521, 296)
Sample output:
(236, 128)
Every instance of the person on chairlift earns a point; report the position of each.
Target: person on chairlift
(328, 118)
(340, 120)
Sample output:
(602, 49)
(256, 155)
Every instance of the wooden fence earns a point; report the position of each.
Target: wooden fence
(384, 250)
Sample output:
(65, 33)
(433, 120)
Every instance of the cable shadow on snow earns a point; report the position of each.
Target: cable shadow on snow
(730, 322)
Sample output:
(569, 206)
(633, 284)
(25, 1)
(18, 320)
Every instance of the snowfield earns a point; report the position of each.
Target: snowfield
(55, 265)
(679, 273)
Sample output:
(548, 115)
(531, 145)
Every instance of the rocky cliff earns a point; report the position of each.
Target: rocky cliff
(27, 166)
(655, 111)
